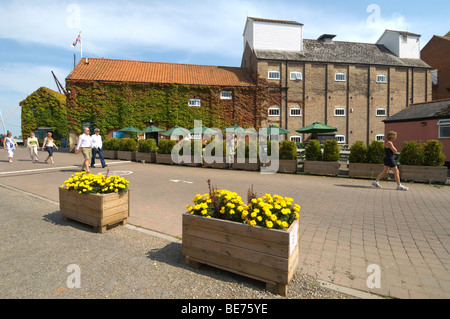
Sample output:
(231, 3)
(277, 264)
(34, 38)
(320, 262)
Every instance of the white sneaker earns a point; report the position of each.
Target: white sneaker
(376, 184)
(402, 188)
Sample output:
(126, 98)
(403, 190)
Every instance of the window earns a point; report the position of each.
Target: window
(296, 75)
(296, 111)
(226, 95)
(296, 138)
(444, 128)
(381, 78)
(379, 137)
(274, 75)
(339, 111)
(340, 77)
(274, 111)
(340, 138)
(404, 39)
(381, 112)
(194, 102)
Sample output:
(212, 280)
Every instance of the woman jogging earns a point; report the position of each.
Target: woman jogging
(389, 162)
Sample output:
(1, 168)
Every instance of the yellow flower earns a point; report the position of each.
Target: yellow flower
(269, 224)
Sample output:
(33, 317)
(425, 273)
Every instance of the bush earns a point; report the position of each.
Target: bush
(433, 155)
(412, 153)
(214, 145)
(147, 146)
(313, 151)
(127, 144)
(375, 152)
(276, 146)
(330, 151)
(288, 150)
(165, 146)
(111, 144)
(358, 153)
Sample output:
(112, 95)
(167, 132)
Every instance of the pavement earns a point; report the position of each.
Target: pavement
(352, 236)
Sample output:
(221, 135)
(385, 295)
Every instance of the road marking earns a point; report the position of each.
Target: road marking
(180, 181)
(51, 168)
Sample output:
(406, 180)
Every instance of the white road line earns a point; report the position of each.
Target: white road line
(52, 168)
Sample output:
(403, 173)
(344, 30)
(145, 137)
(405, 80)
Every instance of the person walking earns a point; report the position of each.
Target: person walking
(97, 148)
(389, 163)
(33, 145)
(85, 143)
(49, 144)
(9, 144)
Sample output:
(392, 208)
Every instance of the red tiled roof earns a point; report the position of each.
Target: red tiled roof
(158, 72)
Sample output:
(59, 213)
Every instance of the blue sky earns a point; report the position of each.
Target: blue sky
(36, 35)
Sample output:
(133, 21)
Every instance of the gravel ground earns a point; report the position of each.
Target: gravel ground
(38, 246)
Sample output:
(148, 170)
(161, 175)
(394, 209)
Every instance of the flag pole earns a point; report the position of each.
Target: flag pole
(81, 46)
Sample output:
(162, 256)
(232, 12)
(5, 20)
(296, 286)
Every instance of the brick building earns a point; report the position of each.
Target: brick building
(436, 53)
(351, 86)
(283, 79)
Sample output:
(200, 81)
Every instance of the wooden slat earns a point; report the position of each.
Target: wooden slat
(247, 269)
(236, 240)
(245, 254)
(272, 236)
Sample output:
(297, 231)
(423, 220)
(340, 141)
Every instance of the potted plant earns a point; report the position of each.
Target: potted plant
(95, 200)
(258, 239)
(364, 161)
(423, 162)
(110, 147)
(146, 151)
(286, 153)
(193, 148)
(127, 149)
(246, 156)
(164, 152)
(321, 164)
(209, 156)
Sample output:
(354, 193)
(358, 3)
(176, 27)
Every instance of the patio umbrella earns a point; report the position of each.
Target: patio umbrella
(130, 129)
(202, 130)
(152, 129)
(268, 130)
(176, 130)
(234, 129)
(316, 128)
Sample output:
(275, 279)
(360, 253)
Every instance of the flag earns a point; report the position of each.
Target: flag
(77, 40)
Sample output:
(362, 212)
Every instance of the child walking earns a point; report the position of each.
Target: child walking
(389, 162)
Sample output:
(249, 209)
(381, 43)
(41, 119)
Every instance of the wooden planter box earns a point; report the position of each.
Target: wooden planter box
(321, 168)
(99, 211)
(126, 155)
(247, 166)
(364, 170)
(164, 159)
(222, 164)
(146, 157)
(110, 154)
(429, 174)
(268, 255)
(192, 162)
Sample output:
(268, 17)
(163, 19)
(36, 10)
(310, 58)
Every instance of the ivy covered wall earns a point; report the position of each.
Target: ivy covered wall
(115, 105)
(44, 108)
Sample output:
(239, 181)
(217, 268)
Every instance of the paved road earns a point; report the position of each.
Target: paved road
(346, 225)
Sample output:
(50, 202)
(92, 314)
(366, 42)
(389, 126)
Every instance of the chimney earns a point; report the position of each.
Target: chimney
(86, 61)
(326, 38)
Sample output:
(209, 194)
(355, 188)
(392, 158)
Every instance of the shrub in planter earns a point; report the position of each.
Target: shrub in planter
(288, 150)
(412, 153)
(375, 152)
(127, 149)
(209, 156)
(250, 161)
(165, 146)
(110, 147)
(146, 151)
(147, 146)
(358, 152)
(330, 151)
(432, 153)
(313, 151)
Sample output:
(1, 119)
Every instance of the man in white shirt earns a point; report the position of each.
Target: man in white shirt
(97, 148)
(85, 143)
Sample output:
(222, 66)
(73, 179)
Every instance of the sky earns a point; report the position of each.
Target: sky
(36, 36)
